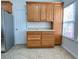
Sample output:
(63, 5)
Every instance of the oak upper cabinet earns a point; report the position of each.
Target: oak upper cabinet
(43, 11)
(30, 12)
(40, 11)
(46, 11)
(33, 11)
(58, 19)
(36, 12)
(49, 12)
(7, 6)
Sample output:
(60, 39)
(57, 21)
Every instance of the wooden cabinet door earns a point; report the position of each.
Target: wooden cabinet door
(47, 44)
(43, 12)
(48, 39)
(49, 12)
(7, 6)
(36, 12)
(33, 12)
(58, 13)
(30, 12)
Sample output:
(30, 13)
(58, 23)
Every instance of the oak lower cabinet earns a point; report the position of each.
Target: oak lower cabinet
(34, 43)
(40, 39)
(34, 39)
(47, 39)
(47, 44)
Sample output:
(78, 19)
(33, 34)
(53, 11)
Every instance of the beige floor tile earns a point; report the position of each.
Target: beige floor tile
(21, 52)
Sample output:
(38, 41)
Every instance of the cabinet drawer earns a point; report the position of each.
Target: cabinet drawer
(48, 37)
(48, 33)
(34, 37)
(34, 33)
(34, 44)
(47, 43)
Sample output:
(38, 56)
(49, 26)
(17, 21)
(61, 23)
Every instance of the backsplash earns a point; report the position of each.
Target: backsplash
(38, 25)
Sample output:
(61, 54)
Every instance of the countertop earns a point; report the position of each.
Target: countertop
(40, 30)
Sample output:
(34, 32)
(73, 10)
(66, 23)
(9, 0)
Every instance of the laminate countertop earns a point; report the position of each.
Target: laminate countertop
(40, 30)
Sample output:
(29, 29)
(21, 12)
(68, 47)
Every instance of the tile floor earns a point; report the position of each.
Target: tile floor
(21, 52)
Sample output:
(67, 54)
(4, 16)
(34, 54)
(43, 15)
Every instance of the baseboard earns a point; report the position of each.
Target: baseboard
(70, 52)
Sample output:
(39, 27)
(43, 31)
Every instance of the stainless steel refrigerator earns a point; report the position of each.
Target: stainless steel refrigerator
(7, 31)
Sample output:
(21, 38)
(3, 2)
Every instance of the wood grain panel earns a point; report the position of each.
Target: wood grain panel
(58, 39)
(30, 11)
(43, 12)
(47, 44)
(48, 37)
(33, 11)
(36, 12)
(49, 11)
(34, 37)
(33, 33)
(58, 11)
(34, 44)
(48, 33)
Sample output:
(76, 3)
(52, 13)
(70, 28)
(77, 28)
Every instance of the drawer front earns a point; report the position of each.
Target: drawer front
(48, 37)
(34, 33)
(34, 44)
(47, 43)
(34, 37)
(48, 33)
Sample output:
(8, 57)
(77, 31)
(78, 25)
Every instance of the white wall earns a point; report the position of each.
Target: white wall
(19, 13)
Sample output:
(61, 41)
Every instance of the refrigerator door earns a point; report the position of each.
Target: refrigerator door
(2, 32)
(8, 30)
